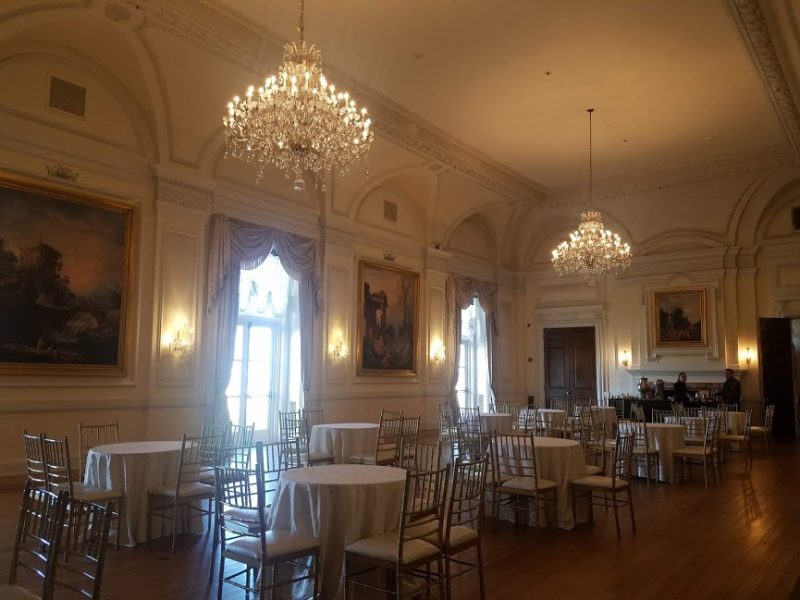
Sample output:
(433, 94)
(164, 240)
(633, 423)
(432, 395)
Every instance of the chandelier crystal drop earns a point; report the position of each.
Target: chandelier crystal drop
(592, 250)
(297, 120)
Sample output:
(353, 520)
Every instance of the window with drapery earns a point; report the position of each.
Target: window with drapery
(266, 373)
(473, 388)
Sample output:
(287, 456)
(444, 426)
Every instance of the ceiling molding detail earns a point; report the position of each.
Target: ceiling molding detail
(751, 162)
(750, 20)
(250, 46)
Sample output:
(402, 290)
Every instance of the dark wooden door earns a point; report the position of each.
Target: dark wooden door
(570, 365)
(777, 372)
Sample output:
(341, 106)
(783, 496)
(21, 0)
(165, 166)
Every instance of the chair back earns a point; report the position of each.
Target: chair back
(57, 465)
(240, 435)
(511, 408)
(593, 443)
(237, 491)
(731, 407)
(695, 426)
(311, 417)
(389, 434)
(469, 419)
(677, 409)
(192, 459)
(546, 426)
(34, 456)
(466, 506)
(215, 429)
(410, 432)
(558, 404)
(526, 419)
(688, 411)
(426, 457)
(88, 526)
(422, 517)
(636, 429)
(619, 406)
(769, 414)
(516, 456)
(623, 458)
(95, 435)
(660, 416)
(272, 462)
(291, 424)
(748, 423)
(39, 531)
(637, 413)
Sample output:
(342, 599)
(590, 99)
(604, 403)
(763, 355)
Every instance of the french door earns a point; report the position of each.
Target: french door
(255, 376)
(570, 363)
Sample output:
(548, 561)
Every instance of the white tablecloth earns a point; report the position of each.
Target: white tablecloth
(736, 422)
(499, 422)
(131, 468)
(664, 437)
(343, 439)
(561, 461)
(554, 416)
(339, 504)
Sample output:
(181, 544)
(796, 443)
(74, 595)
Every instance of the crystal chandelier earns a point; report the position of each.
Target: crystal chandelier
(592, 250)
(297, 121)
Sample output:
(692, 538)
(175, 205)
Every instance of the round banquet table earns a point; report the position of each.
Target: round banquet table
(666, 438)
(132, 468)
(343, 440)
(499, 422)
(561, 461)
(339, 504)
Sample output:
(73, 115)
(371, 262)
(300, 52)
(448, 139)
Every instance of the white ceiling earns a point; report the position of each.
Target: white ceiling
(672, 82)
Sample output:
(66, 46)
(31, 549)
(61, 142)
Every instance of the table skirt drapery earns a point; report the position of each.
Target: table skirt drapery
(339, 504)
(343, 440)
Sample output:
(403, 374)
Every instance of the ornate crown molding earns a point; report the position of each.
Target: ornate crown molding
(183, 195)
(750, 162)
(753, 28)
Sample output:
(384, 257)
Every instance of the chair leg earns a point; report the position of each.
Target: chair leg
(481, 582)
(705, 471)
(174, 523)
(221, 576)
(616, 517)
(149, 519)
(630, 507)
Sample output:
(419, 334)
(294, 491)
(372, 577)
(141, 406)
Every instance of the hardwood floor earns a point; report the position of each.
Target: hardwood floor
(738, 539)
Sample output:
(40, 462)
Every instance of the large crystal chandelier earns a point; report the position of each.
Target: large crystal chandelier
(592, 250)
(297, 121)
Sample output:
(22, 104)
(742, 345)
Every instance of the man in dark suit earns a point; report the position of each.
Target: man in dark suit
(731, 389)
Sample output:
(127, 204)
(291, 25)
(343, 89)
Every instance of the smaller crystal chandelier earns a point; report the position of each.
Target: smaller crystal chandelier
(592, 250)
(297, 121)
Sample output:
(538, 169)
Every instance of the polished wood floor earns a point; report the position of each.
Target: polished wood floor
(738, 539)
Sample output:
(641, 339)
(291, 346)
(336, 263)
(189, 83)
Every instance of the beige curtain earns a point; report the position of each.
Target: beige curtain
(459, 293)
(236, 245)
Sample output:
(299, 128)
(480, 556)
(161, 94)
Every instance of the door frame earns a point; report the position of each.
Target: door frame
(567, 316)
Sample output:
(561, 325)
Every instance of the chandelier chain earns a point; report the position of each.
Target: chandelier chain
(301, 24)
(590, 111)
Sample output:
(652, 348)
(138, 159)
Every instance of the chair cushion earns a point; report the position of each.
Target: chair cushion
(385, 547)
(492, 479)
(460, 535)
(593, 470)
(89, 493)
(189, 489)
(280, 542)
(730, 437)
(14, 592)
(248, 515)
(526, 485)
(600, 481)
(758, 429)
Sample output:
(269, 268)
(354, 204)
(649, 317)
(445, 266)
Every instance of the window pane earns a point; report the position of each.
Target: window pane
(261, 345)
(238, 343)
(233, 409)
(259, 377)
(257, 410)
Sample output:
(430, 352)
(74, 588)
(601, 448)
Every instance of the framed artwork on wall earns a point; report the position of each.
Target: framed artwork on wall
(65, 259)
(680, 318)
(388, 312)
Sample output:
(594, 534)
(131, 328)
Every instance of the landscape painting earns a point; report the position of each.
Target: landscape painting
(387, 320)
(64, 262)
(680, 317)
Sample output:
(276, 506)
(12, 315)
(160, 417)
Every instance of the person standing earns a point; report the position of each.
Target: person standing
(680, 393)
(731, 389)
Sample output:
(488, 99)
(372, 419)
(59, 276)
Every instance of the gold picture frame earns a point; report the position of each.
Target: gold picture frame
(680, 318)
(65, 279)
(388, 318)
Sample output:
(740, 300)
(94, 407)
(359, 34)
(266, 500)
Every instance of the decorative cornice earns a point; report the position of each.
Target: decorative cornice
(647, 181)
(183, 195)
(750, 20)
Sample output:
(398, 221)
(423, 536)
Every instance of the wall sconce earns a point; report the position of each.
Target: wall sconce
(625, 362)
(748, 356)
(337, 349)
(178, 343)
(437, 354)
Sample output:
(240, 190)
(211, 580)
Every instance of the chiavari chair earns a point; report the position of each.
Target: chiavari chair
(387, 448)
(705, 454)
(34, 457)
(95, 435)
(765, 430)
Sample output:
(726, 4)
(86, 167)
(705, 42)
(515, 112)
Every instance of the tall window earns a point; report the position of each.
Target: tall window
(473, 387)
(265, 375)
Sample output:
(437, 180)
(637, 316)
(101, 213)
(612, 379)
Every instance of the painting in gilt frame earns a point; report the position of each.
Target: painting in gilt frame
(65, 257)
(388, 309)
(679, 318)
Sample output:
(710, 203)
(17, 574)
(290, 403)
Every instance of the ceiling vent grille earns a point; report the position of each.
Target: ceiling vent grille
(390, 211)
(67, 97)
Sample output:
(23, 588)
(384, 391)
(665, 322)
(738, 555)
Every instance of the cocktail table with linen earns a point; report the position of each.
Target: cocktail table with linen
(343, 440)
(339, 504)
(132, 468)
(664, 437)
(499, 422)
